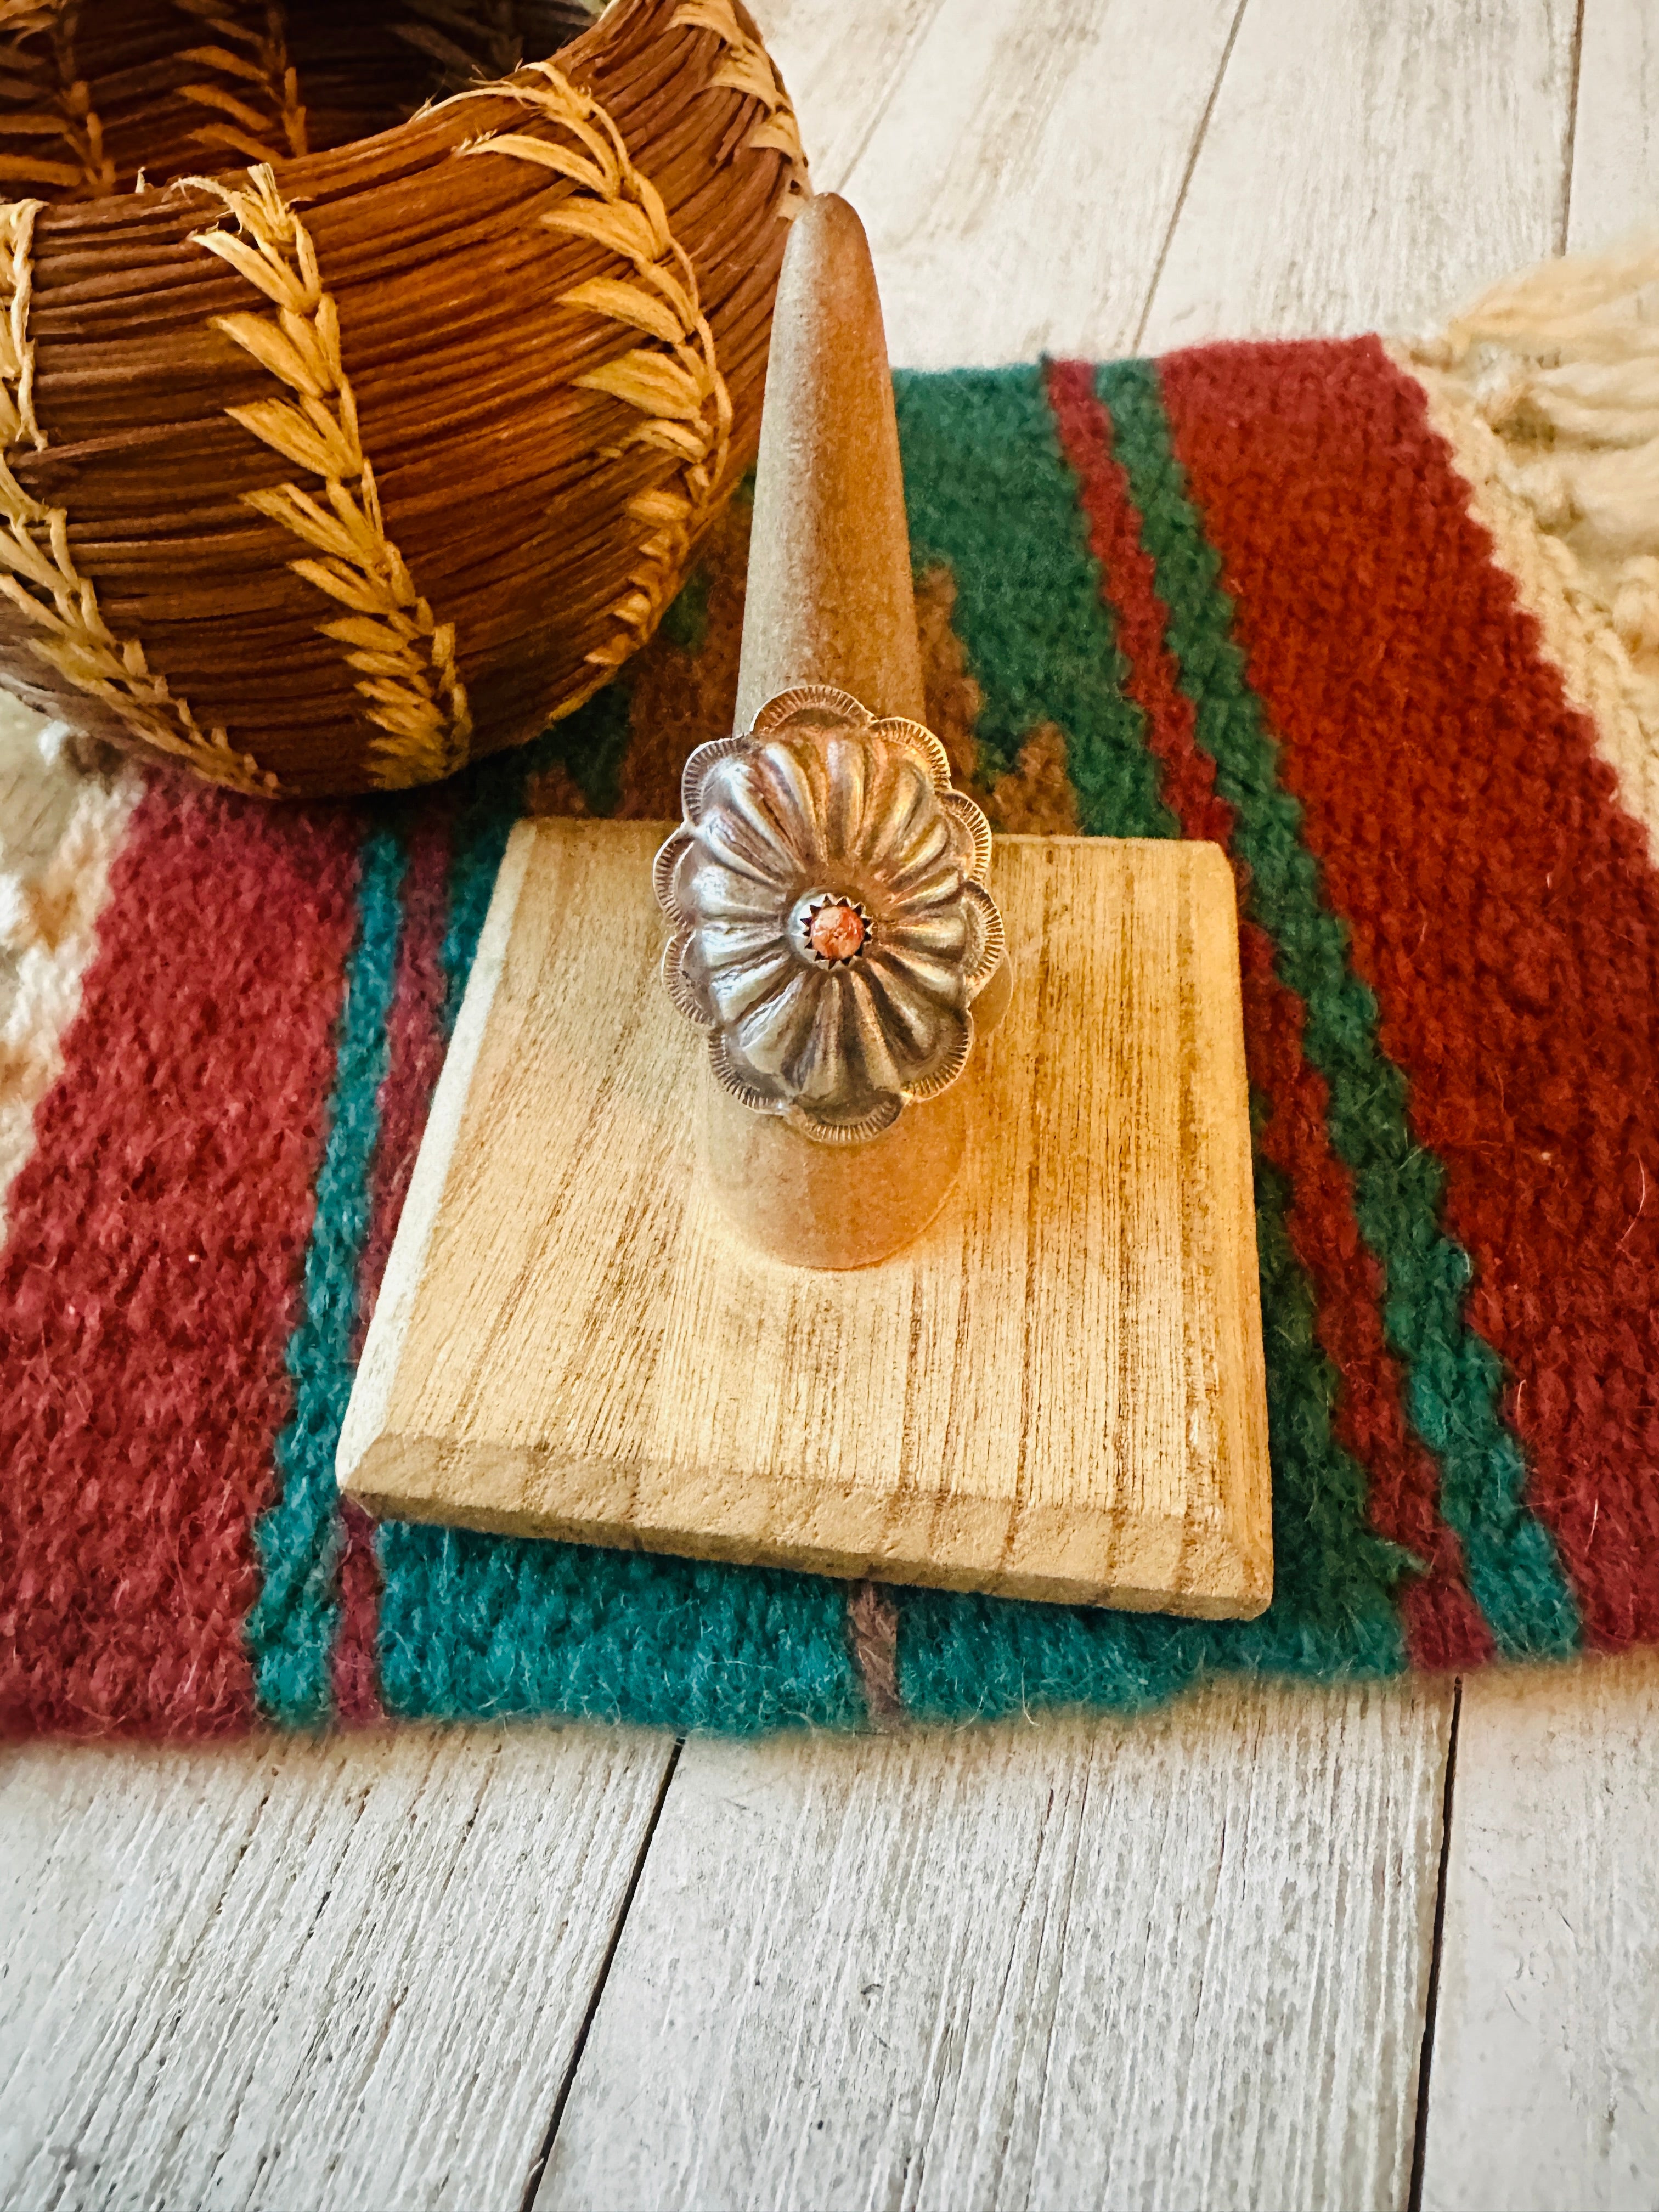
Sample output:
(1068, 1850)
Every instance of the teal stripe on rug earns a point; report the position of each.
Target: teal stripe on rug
(292, 1625)
(1454, 1378)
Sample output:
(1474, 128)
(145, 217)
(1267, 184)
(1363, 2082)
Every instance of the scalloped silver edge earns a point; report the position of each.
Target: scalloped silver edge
(695, 773)
(727, 1077)
(993, 947)
(971, 815)
(663, 867)
(675, 984)
(918, 1094)
(848, 1133)
(916, 737)
(779, 710)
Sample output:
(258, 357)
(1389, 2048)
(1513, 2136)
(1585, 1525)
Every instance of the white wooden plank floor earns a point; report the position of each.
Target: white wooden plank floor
(1176, 1961)
(340, 1974)
(1194, 1961)
(1543, 2092)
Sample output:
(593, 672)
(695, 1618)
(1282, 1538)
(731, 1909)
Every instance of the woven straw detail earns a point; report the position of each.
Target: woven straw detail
(42, 581)
(749, 70)
(1562, 596)
(254, 94)
(673, 380)
(16, 346)
(65, 120)
(407, 672)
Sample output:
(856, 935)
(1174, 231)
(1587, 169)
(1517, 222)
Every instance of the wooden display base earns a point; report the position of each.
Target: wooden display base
(1057, 1392)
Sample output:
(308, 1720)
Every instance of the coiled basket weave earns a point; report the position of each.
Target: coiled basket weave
(349, 438)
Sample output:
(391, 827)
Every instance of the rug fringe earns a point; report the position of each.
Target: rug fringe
(49, 923)
(1547, 389)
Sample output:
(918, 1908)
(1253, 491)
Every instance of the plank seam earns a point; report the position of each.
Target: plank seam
(1569, 143)
(880, 107)
(1431, 2002)
(1194, 151)
(534, 2180)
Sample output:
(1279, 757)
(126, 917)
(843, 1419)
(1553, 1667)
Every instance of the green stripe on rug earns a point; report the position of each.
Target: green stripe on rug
(991, 497)
(291, 1625)
(1454, 1376)
(1335, 1614)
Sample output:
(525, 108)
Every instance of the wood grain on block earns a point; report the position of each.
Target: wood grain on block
(1055, 1392)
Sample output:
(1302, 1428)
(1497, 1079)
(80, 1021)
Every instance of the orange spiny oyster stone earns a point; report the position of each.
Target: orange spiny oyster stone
(836, 933)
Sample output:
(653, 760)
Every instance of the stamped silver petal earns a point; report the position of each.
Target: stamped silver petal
(732, 1078)
(728, 840)
(868, 1012)
(792, 778)
(739, 987)
(916, 974)
(937, 893)
(900, 818)
(818, 1071)
(852, 783)
(972, 818)
(942, 929)
(915, 738)
(681, 987)
(955, 1058)
(820, 701)
(744, 817)
(721, 889)
(770, 1034)
(928, 864)
(910, 1015)
(993, 939)
(725, 944)
(696, 771)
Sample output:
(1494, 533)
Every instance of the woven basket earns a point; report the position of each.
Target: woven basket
(331, 472)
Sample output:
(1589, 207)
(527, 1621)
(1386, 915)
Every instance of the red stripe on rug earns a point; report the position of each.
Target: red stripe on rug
(1501, 904)
(151, 1278)
(415, 1044)
(1444, 1625)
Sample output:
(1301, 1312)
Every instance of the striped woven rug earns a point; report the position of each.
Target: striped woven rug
(1287, 597)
